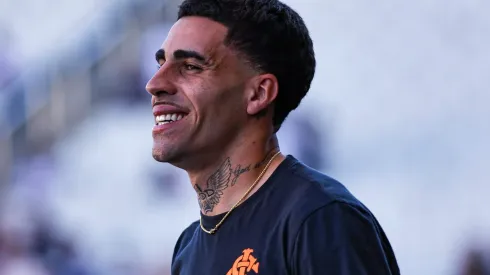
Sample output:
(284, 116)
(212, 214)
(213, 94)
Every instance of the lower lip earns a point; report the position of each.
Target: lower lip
(158, 129)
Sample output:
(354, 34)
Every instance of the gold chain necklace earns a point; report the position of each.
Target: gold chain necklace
(212, 231)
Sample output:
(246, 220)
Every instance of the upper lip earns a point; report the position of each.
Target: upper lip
(164, 107)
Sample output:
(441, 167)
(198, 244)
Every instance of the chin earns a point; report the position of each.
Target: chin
(167, 156)
(161, 155)
(180, 159)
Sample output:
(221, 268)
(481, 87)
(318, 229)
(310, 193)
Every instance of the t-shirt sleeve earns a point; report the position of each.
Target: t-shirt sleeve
(183, 239)
(339, 239)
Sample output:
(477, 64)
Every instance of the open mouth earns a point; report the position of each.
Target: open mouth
(168, 118)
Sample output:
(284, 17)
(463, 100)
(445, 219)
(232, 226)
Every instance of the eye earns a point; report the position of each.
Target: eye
(190, 67)
(160, 63)
(159, 66)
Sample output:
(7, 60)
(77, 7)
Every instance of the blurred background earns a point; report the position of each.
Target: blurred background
(398, 111)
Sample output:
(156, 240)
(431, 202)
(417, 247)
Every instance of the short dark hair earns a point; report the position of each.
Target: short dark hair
(272, 37)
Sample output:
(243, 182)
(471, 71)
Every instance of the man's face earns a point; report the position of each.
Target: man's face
(197, 93)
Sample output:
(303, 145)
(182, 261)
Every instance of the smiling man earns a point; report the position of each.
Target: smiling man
(230, 73)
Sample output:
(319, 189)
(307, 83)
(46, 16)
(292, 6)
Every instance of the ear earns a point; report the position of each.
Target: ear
(263, 92)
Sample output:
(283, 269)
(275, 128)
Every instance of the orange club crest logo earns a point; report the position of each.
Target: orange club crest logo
(245, 264)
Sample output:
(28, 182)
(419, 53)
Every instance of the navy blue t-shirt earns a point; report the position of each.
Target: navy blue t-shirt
(300, 222)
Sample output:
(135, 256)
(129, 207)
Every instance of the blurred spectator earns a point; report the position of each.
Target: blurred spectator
(57, 253)
(3, 248)
(15, 258)
(165, 183)
(28, 243)
(477, 262)
(8, 68)
(302, 138)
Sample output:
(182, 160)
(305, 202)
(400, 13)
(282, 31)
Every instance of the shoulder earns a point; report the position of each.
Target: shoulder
(185, 238)
(311, 189)
(342, 237)
(311, 193)
(324, 216)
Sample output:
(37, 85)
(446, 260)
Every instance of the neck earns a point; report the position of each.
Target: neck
(222, 183)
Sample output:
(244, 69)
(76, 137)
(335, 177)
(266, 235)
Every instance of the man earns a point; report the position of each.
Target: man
(230, 71)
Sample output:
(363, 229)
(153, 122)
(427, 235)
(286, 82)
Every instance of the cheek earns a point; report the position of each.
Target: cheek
(218, 101)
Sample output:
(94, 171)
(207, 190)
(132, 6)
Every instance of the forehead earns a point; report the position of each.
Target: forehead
(194, 33)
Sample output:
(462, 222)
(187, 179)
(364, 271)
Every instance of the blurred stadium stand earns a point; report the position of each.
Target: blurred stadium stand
(406, 84)
(68, 68)
(65, 71)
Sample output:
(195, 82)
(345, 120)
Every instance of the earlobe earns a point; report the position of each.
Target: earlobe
(262, 94)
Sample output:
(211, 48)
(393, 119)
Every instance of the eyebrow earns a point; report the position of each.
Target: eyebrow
(180, 54)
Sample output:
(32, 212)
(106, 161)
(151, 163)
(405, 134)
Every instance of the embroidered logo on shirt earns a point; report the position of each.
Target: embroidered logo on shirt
(244, 264)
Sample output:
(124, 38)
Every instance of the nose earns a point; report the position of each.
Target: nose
(161, 82)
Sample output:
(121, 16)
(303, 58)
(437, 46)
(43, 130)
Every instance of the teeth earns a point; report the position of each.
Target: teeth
(168, 118)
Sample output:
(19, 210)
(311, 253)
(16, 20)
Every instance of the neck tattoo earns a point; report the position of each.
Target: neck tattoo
(224, 177)
(242, 199)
